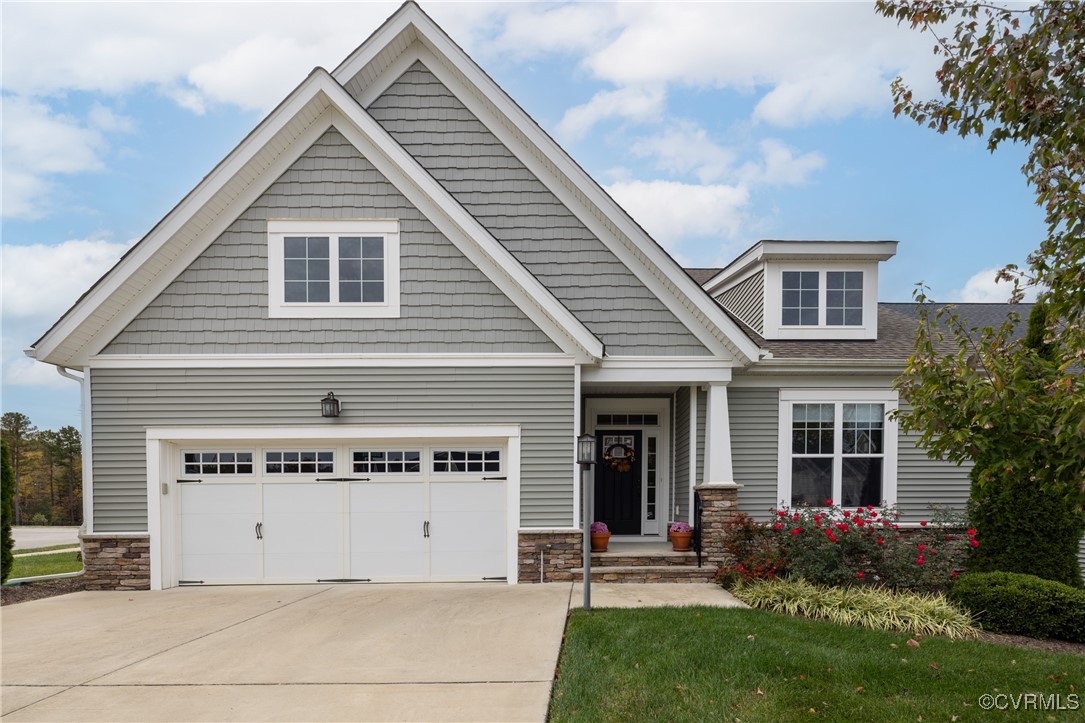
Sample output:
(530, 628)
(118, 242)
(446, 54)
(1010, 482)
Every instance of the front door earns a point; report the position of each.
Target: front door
(618, 481)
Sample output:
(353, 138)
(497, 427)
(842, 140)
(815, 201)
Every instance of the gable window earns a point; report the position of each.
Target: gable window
(821, 298)
(333, 268)
(841, 449)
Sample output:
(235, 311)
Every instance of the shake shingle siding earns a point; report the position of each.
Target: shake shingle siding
(521, 213)
(755, 447)
(747, 301)
(128, 401)
(219, 304)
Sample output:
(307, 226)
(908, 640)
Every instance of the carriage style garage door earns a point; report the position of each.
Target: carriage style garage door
(311, 512)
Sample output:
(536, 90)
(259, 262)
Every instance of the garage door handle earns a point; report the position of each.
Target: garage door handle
(259, 530)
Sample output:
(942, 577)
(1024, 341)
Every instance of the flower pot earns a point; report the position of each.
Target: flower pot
(599, 541)
(680, 541)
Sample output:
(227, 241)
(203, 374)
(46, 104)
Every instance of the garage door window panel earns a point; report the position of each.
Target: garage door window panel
(217, 462)
(390, 461)
(296, 462)
(461, 461)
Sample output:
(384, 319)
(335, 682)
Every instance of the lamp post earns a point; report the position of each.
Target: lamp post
(585, 457)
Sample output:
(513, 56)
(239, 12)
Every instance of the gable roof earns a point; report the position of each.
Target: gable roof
(410, 35)
(314, 106)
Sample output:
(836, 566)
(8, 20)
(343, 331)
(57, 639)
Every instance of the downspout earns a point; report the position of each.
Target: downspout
(84, 403)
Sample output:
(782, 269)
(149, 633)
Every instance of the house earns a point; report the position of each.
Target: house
(363, 347)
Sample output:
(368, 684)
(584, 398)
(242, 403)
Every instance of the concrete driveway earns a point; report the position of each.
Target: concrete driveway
(282, 653)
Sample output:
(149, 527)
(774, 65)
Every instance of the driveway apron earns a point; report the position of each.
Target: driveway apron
(350, 652)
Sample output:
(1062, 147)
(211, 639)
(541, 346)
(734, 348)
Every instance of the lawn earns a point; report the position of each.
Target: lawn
(698, 664)
(29, 550)
(36, 565)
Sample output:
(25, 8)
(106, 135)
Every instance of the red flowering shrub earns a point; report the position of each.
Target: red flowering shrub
(833, 546)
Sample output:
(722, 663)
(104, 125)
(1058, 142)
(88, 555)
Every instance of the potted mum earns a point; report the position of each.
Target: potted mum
(600, 536)
(681, 534)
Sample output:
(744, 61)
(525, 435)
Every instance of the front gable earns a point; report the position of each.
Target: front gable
(219, 304)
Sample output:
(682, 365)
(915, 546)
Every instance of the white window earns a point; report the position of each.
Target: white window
(333, 268)
(467, 460)
(802, 302)
(217, 463)
(386, 461)
(299, 462)
(837, 445)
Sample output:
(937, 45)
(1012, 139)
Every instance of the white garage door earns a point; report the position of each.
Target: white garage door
(288, 514)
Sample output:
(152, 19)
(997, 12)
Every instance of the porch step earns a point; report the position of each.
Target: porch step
(648, 573)
(652, 559)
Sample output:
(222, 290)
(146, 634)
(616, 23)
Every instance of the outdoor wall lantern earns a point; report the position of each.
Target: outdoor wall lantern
(585, 449)
(329, 406)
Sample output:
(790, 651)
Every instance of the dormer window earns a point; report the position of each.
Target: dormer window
(333, 269)
(806, 301)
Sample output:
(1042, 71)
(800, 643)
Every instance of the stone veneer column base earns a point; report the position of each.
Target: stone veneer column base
(564, 554)
(116, 562)
(720, 509)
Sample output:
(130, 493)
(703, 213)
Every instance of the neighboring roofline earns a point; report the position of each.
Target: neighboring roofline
(775, 250)
(393, 161)
(702, 317)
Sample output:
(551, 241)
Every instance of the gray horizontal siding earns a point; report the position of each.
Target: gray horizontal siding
(219, 304)
(747, 301)
(702, 409)
(125, 402)
(485, 177)
(922, 481)
(755, 447)
(680, 493)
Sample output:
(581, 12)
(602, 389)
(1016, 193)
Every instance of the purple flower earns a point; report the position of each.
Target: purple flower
(598, 527)
(680, 527)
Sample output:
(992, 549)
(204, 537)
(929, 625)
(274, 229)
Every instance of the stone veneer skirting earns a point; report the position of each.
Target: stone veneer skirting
(720, 503)
(562, 554)
(117, 562)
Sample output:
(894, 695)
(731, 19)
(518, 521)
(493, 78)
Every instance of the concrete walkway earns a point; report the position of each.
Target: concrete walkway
(448, 652)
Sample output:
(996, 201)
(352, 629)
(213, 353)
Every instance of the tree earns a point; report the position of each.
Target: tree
(69, 446)
(19, 434)
(1018, 74)
(7, 494)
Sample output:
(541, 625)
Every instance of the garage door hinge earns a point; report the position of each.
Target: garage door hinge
(347, 579)
(186, 481)
(342, 479)
(190, 582)
(495, 578)
(487, 479)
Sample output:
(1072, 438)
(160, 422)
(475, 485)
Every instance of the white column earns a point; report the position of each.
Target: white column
(717, 463)
(577, 431)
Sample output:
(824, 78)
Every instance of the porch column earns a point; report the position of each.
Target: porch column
(717, 435)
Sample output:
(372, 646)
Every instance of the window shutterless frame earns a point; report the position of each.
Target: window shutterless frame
(333, 268)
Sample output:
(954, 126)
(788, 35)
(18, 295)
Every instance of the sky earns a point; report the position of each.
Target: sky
(713, 124)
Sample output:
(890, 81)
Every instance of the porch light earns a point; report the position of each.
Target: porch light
(585, 450)
(329, 406)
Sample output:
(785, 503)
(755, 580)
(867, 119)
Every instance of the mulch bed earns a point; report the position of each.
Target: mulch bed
(1020, 641)
(39, 590)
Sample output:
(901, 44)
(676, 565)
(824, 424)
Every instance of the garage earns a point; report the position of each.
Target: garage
(288, 511)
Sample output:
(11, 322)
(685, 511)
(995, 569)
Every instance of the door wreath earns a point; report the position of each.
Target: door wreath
(619, 457)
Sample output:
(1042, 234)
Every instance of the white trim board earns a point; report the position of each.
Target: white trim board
(264, 361)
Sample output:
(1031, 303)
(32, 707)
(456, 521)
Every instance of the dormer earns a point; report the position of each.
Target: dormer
(799, 290)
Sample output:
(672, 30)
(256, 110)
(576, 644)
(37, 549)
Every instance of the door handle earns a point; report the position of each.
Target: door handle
(259, 530)
(425, 529)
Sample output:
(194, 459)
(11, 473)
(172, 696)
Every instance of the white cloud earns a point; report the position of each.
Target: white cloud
(25, 372)
(670, 211)
(638, 104)
(983, 287)
(779, 166)
(685, 148)
(40, 282)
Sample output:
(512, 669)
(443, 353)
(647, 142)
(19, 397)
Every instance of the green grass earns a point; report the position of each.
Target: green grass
(697, 664)
(36, 565)
(28, 550)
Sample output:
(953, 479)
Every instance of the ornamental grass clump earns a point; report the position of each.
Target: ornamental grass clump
(877, 608)
(861, 546)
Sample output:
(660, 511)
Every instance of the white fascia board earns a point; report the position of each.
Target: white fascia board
(862, 378)
(676, 370)
(742, 267)
(436, 50)
(838, 250)
(462, 229)
(313, 361)
(127, 267)
(334, 432)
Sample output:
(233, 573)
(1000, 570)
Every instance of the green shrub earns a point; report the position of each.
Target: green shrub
(39, 519)
(1007, 602)
(869, 607)
(836, 546)
(1025, 528)
(7, 494)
